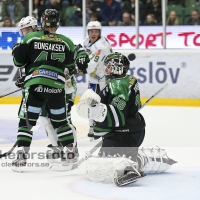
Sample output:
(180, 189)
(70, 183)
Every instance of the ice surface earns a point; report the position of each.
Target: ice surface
(177, 129)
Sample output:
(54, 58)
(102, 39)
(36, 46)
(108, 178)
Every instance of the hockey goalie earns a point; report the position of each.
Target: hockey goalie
(122, 128)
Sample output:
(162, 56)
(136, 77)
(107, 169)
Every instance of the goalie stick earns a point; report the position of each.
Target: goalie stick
(75, 165)
(148, 100)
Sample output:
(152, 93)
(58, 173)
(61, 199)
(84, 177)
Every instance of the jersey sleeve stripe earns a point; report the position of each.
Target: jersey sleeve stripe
(114, 115)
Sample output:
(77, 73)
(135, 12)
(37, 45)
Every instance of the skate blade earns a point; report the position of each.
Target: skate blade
(91, 139)
(17, 169)
(63, 168)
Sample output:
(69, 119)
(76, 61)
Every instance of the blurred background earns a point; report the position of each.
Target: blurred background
(163, 34)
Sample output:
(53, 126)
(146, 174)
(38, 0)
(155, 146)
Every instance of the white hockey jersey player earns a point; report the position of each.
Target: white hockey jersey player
(98, 48)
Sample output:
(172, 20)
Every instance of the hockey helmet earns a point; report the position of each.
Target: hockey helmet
(50, 18)
(94, 25)
(115, 60)
(27, 22)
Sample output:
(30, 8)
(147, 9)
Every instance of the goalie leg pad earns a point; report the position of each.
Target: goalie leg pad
(108, 169)
(153, 160)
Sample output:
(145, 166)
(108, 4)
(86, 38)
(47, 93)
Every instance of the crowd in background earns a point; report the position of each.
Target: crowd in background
(108, 12)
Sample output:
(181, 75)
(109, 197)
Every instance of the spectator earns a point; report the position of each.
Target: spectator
(190, 3)
(110, 12)
(53, 4)
(1, 10)
(25, 4)
(150, 20)
(177, 2)
(41, 9)
(154, 7)
(63, 3)
(194, 20)
(76, 3)
(198, 2)
(76, 18)
(129, 6)
(7, 22)
(93, 17)
(92, 7)
(35, 8)
(13, 9)
(126, 20)
(172, 19)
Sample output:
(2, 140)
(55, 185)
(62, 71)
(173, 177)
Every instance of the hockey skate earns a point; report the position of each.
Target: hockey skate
(70, 157)
(128, 178)
(20, 162)
(69, 160)
(54, 154)
(91, 134)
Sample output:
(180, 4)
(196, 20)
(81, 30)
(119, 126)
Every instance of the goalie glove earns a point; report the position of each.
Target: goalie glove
(89, 106)
(20, 82)
(97, 112)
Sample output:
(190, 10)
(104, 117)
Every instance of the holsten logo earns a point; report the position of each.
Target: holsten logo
(40, 88)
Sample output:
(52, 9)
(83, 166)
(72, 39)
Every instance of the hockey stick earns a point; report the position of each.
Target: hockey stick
(148, 100)
(9, 93)
(9, 152)
(76, 165)
(30, 127)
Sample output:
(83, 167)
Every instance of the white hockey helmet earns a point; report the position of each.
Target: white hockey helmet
(94, 25)
(27, 22)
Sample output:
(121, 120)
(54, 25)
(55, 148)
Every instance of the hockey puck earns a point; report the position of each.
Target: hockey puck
(131, 56)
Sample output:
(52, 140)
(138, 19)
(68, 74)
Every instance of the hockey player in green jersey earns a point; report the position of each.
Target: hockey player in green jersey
(116, 117)
(46, 56)
(115, 109)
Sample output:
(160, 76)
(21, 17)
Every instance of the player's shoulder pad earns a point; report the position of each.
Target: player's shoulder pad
(31, 36)
(133, 80)
(68, 42)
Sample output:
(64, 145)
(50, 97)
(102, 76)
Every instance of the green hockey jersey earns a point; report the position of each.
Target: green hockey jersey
(122, 98)
(45, 57)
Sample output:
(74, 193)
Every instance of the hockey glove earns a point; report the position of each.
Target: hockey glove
(82, 62)
(15, 46)
(20, 82)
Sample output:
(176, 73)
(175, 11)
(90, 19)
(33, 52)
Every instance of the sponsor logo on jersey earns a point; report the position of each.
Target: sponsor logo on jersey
(88, 50)
(46, 73)
(50, 37)
(49, 46)
(132, 80)
(40, 88)
(68, 84)
(125, 130)
(97, 52)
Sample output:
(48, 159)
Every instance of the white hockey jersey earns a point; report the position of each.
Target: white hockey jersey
(97, 53)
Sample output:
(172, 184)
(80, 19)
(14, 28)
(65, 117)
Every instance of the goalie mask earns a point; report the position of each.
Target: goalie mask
(50, 18)
(116, 64)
